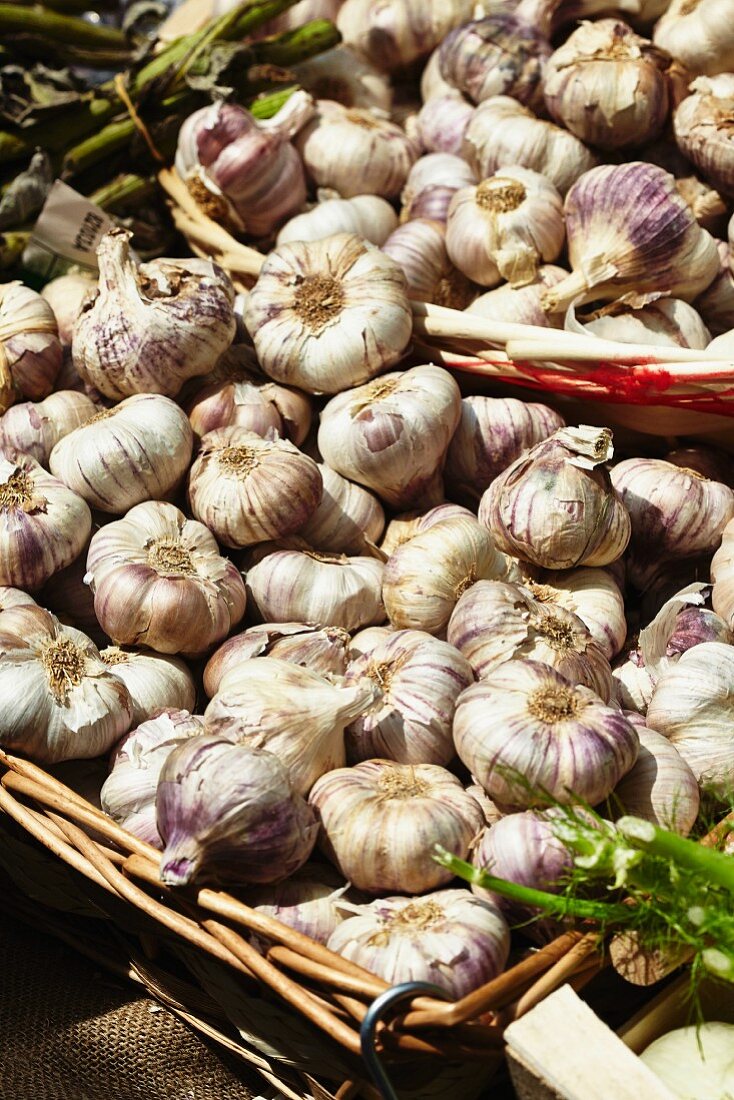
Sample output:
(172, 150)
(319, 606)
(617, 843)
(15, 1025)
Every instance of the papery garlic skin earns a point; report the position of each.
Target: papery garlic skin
(355, 152)
(691, 707)
(503, 53)
(230, 812)
(442, 123)
(154, 682)
(591, 594)
(608, 86)
(704, 129)
(418, 679)
(307, 901)
(392, 434)
(129, 792)
(556, 505)
(289, 710)
(35, 429)
(139, 450)
(660, 787)
(502, 132)
(43, 524)
(327, 315)
(426, 576)
(633, 684)
(29, 345)
(381, 820)
(521, 304)
(247, 489)
(491, 434)
(308, 586)
(505, 227)
(529, 735)
(348, 519)
(345, 75)
(448, 938)
(700, 35)
(395, 32)
(158, 580)
(65, 295)
(149, 328)
(367, 216)
(59, 701)
(667, 321)
(321, 649)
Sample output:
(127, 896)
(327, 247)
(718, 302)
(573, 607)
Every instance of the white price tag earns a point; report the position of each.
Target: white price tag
(68, 231)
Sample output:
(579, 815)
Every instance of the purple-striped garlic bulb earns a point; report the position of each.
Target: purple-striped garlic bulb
(522, 304)
(668, 321)
(522, 848)
(700, 35)
(448, 938)
(530, 736)
(35, 428)
(660, 787)
(431, 184)
(159, 580)
(230, 813)
(492, 433)
(367, 216)
(419, 247)
(630, 231)
(591, 594)
(309, 901)
(348, 520)
(247, 400)
(405, 526)
(30, 349)
(321, 649)
(150, 327)
(417, 679)
(703, 129)
(556, 506)
(380, 822)
(442, 123)
(154, 681)
(129, 792)
(44, 525)
(394, 33)
(139, 450)
(242, 170)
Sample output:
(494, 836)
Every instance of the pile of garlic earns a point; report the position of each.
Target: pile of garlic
(319, 609)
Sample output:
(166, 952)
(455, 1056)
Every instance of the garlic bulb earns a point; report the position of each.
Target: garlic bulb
(364, 641)
(418, 679)
(660, 787)
(722, 576)
(321, 649)
(491, 813)
(392, 434)
(713, 464)
(691, 707)
(247, 489)
(139, 450)
(502, 133)
(380, 822)
(426, 576)
(367, 216)
(153, 682)
(442, 123)
(149, 328)
(591, 594)
(703, 128)
(608, 86)
(309, 586)
(348, 520)
(43, 524)
(404, 527)
(355, 151)
(492, 433)
(556, 505)
(716, 304)
(521, 304)
(308, 901)
(633, 684)
(65, 295)
(345, 75)
(505, 227)
(129, 792)
(395, 32)
(35, 429)
(289, 710)
(158, 580)
(448, 938)
(419, 247)
(699, 34)
(241, 170)
(14, 597)
(229, 812)
(60, 702)
(529, 735)
(630, 230)
(432, 182)
(667, 321)
(694, 1063)
(522, 848)
(326, 315)
(432, 84)
(494, 622)
(247, 400)
(29, 345)
(675, 513)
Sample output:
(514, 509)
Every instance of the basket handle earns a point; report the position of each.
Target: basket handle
(403, 992)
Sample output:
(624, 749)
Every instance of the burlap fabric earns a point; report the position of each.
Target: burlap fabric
(70, 1032)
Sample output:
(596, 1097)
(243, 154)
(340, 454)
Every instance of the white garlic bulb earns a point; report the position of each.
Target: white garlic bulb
(247, 489)
(521, 304)
(367, 216)
(380, 822)
(703, 128)
(309, 901)
(326, 315)
(153, 681)
(432, 84)
(308, 586)
(139, 450)
(699, 34)
(345, 75)
(667, 321)
(660, 787)
(419, 246)
(30, 350)
(442, 122)
(65, 295)
(36, 428)
(591, 594)
(395, 32)
(405, 526)
(391, 435)
(59, 700)
(149, 328)
(44, 525)
(158, 580)
(505, 227)
(418, 679)
(355, 151)
(320, 649)
(348, 520)
(299, 716)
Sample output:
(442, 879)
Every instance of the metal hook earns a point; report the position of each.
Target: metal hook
(375, 1012)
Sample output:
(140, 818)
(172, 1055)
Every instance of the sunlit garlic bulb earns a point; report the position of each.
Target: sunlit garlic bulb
(153, 681)
(327, 315)
(591, 594)
(704, 129)
(320, 649)
(30, 349)
(419, 246)
(716, 304)
(699, 34)
(367, 216)
(406, 525)
(394, 33)
(431, 184)
(36, 428)
(349, 519)
(666, 321)
(522, 304)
